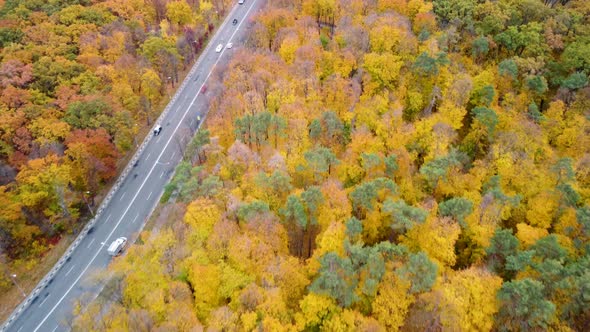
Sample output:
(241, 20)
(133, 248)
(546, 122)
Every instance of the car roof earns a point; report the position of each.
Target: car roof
(116, 243)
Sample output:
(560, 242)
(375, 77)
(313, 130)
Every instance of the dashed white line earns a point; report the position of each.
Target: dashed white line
(55, 328)
(20, 328)
(132, 200)
(162, 175)
(89, 244)
(173, 154)
(43, 301)
(134, 219)
(150, 195)
(148, 156)
(108, 217)
(70, 270)
(120, 199)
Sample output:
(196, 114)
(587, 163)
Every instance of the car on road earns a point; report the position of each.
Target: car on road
(117, 246)
(235, 21)
(241, 2)
(229, 45)
(157, 130)
(219, 48)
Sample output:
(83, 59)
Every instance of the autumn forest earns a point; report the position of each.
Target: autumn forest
(366, 165)
(80, 81)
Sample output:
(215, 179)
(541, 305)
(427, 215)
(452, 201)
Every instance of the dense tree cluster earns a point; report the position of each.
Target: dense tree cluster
(78, 80)
(381, 165)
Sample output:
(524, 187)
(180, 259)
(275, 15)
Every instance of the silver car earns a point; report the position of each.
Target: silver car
(117, 246)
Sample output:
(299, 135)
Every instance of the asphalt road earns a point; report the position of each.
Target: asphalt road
(132, 204)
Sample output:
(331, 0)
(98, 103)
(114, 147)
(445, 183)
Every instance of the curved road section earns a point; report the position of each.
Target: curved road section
(140, 188)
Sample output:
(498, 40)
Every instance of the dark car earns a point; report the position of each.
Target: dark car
(235, 21)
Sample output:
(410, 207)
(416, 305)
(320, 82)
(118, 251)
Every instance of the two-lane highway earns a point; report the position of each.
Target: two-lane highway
(131, 205)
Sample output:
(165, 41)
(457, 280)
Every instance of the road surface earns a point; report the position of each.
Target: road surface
(139, 193)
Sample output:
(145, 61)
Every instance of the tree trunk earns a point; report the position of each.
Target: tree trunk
(310, 238)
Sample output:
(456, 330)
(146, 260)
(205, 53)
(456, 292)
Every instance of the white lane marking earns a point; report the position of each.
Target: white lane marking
(120, 199)
(158, 139)
(108, 217)
(134, 219)
(137, 193)
(148, 156)
(43, 301)
(173, 154)
(89, 244)
(55, 328)
(70, 270)
(162, 175)
(20, 328)
(150, 195)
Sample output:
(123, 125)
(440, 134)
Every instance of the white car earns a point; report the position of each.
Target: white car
(117, 246)
(229, 45)
(157, 130)
(219, 48)
(241, 2)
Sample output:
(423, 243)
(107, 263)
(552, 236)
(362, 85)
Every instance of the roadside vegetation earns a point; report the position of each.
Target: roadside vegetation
(80, 81)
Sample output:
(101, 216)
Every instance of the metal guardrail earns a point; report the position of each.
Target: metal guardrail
(122, 177)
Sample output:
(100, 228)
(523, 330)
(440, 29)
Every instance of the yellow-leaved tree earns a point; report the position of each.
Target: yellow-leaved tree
(392, 302)
(437, 237)
(146, 281)
(288, 48)
(383, 68)
(315, 310)
(206, 280)
(201, 215)
(472, 295)
(330, 240)
(464, 301)
(528, 235)
(541, 209)
(179, 12)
